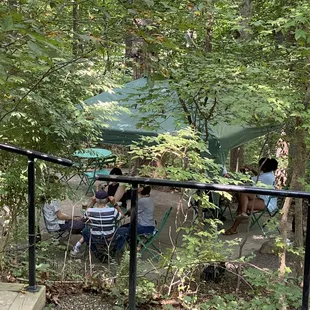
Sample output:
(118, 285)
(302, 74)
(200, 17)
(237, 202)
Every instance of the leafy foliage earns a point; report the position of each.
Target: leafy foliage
(266, 293)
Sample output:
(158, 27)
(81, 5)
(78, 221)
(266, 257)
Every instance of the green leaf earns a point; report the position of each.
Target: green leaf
(299, 33)
(7, 23)
(35, 48)
(149, 2)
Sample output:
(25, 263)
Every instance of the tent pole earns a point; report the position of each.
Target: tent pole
(129, 162)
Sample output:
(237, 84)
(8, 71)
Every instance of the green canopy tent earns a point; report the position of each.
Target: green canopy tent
(127, 126)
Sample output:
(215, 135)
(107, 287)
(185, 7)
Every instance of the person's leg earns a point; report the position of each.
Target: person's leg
(256, 203)
(233, 229)
(121, 234)
(75, 227)
(96, 243)
(237, 196)
(85, 238)
(243, 203)
(89, 239)
(77, 246)
(145, 229)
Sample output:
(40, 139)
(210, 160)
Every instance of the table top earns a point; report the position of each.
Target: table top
(92, 153)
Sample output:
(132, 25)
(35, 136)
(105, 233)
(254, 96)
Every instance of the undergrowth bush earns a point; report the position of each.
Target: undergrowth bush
(266, 293)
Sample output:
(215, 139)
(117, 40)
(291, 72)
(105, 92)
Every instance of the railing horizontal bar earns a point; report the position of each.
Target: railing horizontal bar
(205, 186)
(35, 154)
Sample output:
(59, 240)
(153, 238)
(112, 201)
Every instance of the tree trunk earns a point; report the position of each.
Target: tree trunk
(136, 53)
(299, 171)
(283, 228)
(245, 12)
(236, 158)
(209, 33)
(75, 27)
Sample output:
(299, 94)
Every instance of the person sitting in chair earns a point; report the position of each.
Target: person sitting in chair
(114, 189)
(100, 223)
(248, 202)
(117, 190)
(56, 220)
(146, 221)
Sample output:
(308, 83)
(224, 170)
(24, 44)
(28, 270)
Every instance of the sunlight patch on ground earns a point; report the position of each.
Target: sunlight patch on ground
(258, 237)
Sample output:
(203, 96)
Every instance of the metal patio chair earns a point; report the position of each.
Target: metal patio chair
(146, 241)
(257, 215)
(96, 167)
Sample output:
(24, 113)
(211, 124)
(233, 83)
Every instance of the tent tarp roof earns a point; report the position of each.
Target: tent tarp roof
(128, 128)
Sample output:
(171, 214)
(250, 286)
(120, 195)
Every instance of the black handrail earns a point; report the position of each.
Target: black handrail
(134, 181)
(32, 155)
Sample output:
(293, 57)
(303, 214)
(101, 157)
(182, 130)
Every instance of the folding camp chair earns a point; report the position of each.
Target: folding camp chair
(57, 234)
(96, 167)
(257, 215)
(77, 169)
(101, 246)
(206, 212)
(147, 240)
(89, 178)
(107, 160)
(223, 210)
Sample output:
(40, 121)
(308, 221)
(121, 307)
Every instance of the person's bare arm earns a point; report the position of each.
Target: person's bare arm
(112, 200)
(119, 210)
(120, 193)
(63, 216)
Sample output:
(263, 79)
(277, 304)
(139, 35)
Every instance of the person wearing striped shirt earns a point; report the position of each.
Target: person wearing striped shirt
(101, 223)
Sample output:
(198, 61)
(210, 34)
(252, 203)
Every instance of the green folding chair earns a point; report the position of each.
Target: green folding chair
(90, 178)
(257, 215)
(146, 241)
(107, 160)
(96, 167)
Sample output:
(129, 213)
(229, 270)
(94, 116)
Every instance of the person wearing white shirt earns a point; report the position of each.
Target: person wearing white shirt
(248, 202)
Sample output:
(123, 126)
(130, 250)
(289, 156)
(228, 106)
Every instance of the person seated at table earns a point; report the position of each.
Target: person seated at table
(114, 189)
(273, 163)
(56, 220)
(117, 190)
(248, 202)
(225, 173)
(146, 221)
(100, 223)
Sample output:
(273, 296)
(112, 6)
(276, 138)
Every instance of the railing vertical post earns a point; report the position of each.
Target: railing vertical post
(306, 282)
(133, 247)
(31, 225)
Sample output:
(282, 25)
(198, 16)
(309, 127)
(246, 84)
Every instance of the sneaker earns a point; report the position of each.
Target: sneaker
(76, 254)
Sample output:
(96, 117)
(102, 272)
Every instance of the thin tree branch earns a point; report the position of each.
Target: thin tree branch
(46, 74)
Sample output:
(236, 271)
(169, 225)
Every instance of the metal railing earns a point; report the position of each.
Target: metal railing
(135, 182)
(32, 155)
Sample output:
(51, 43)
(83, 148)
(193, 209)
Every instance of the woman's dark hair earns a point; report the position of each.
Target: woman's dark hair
(273, 164)
(146, 190)
(268, 164)
(116, 171)
(264, 164)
